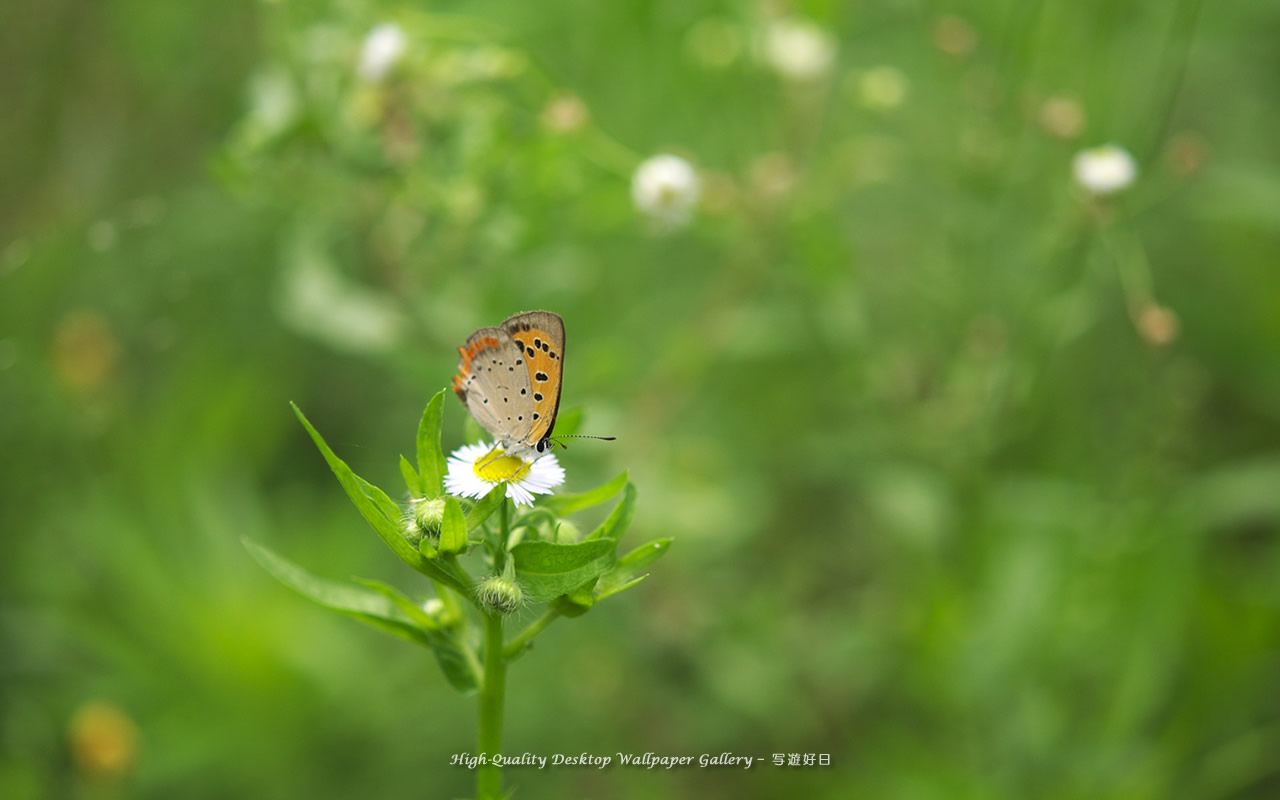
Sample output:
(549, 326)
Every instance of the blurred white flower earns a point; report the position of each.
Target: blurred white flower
(383, 49)
(666, 188)
(474, 469)
(273, 100)
(799, 49)
(317, 300)
(882, 88)
(1104, 170)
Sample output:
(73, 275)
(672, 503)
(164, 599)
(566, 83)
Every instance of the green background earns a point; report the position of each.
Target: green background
(974, 479)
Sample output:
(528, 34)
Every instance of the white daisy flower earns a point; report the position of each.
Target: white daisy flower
(474, 469)
(666, 188)
(382, 50)
(1104, 170)
(799, 49)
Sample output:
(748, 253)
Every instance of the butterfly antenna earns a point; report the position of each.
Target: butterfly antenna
(579, 436)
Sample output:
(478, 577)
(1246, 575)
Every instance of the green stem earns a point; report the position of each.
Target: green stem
(519, 644)
(489, 776)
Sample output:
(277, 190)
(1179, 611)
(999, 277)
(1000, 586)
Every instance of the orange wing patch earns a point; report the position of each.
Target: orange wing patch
(466, 354)
(542, 356)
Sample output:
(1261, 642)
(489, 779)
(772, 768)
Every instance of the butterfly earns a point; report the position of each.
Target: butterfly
(509, 378)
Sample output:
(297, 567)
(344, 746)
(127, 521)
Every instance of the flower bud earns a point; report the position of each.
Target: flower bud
(424, 519)
(501, 595)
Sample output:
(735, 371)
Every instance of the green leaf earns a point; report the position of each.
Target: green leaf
(385, 516)
(627, 572)
(547, 570)
(577, 602)
(486, 505)
(363, 604)
(565, 504)
(457, 662)
(411, 479)
(614, 589)
(618, 521)
(431, 462)
(453, 528)
(402, 601)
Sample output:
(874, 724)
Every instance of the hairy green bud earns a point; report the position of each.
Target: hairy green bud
(500, 595)
(424, 519)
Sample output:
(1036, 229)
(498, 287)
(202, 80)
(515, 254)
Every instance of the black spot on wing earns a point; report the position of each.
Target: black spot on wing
(540, 377)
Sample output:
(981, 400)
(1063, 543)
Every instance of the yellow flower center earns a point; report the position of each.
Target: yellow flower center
(494, 468)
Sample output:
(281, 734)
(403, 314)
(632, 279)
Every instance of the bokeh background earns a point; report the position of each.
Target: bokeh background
(974, 475)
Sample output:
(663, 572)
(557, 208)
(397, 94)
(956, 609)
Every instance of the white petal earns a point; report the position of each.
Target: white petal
(519, 495)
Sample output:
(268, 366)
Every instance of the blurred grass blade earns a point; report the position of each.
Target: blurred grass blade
(431, 463)
(565, 504)
(547, 570)
(384, 516)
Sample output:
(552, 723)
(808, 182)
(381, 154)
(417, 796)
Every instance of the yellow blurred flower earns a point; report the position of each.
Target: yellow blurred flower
(1062, 116)
(954, 36)
(566, 113)
(104, 740)
(85, 351)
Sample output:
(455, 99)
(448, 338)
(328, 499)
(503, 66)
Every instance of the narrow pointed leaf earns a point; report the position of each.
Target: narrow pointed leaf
(427, 548)
(402, 601)
(630, 569)
(363, 604)
(547, 570)
(618, 521)
(485, 506)
(565, 504)
(382, 514)
(644, 555)
(411, 479)
(453, 528)
(431, 464)
(459, 665)
(612, 590)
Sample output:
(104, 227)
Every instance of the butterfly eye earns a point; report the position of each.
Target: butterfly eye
(542, 446)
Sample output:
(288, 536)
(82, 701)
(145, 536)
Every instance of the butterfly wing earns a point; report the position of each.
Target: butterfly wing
(540, 337)
(493, 384)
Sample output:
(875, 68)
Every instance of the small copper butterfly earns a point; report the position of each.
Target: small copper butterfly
(509, 378)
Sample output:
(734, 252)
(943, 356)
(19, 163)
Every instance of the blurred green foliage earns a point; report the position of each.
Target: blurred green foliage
(975, 478)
